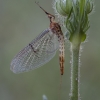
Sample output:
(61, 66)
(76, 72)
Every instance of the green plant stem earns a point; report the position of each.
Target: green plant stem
(75, 70)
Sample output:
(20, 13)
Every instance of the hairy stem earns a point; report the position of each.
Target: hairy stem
(75, 71)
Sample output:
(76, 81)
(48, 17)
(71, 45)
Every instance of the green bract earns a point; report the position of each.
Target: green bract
(64, 7)
(89, 6)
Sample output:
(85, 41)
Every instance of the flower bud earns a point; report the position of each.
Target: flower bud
(63, 7)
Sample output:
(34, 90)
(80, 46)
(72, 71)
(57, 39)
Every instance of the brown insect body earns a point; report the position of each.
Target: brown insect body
(56, 29)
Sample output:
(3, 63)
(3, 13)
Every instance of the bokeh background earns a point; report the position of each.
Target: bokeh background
(20, 22)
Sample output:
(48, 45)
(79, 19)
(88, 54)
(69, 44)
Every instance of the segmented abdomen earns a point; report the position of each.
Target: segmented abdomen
(61, 53)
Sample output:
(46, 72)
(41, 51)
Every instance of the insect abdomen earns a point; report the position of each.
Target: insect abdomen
(61, 54)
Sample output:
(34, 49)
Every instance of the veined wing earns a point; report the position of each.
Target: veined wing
(38, 52)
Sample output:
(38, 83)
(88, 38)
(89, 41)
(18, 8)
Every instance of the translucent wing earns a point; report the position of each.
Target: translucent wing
(38, 52)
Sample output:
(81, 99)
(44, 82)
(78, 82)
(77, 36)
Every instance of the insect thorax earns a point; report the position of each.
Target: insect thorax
(55, 28)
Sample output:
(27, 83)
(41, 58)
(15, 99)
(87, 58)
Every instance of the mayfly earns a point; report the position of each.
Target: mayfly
(42, 49)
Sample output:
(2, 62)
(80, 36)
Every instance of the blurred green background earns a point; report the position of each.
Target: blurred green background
(20, 22)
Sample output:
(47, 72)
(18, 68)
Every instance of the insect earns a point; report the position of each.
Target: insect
(42, 49)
